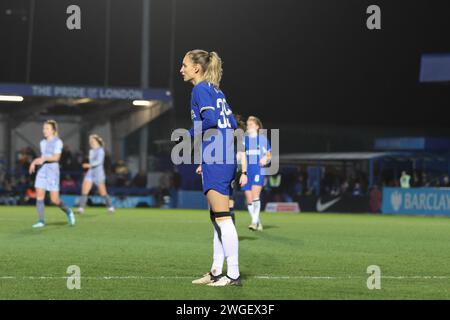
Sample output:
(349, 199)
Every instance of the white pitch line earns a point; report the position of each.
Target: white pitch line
(348, 277)
(193, 277)
(95, 278)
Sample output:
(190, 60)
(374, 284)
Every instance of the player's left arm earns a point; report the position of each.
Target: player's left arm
(267, 153)
(266, 158)
(99, 159)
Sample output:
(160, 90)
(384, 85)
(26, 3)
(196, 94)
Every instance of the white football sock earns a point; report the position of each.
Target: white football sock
(256, 209)
(250, 210)
(230, 243)
(218, 255)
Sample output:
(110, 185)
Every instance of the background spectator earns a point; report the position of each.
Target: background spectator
(404, 180)
(140, 180)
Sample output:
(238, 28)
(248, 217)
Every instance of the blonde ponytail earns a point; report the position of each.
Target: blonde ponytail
(214, 70)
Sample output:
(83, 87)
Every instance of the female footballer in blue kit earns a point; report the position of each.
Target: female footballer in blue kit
(47, 177)
(258, 153)
(241, 170)
(208, 106)
(95, 174)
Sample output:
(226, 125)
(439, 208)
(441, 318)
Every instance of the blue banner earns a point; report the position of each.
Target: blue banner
(117, 202)
(435, 67)
(70, 91)
(191, 200)
(419, 201)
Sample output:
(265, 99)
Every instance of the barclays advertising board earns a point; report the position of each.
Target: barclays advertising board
(416, 201)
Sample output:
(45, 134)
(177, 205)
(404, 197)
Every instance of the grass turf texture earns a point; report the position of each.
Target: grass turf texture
(154, 254)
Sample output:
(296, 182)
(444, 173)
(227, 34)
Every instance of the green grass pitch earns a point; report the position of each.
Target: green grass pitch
(155, 253)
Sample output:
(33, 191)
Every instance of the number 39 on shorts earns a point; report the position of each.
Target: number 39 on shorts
(223, 121)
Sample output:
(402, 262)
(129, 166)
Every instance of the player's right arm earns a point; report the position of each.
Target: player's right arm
(32, 167)
(87, 165)
(37, 161)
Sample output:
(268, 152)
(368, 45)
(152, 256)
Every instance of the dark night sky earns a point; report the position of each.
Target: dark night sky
(288, 61)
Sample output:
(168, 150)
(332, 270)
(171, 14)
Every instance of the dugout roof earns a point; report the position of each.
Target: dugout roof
(92, 104)
(125, 108)
(72, 99)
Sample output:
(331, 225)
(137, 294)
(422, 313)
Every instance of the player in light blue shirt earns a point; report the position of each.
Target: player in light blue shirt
(95, 174)
(47, 177)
